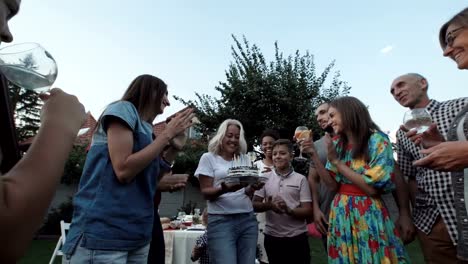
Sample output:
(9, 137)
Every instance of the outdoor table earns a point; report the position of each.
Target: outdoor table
(179, 245)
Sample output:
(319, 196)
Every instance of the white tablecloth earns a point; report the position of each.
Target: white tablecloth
(179, 245)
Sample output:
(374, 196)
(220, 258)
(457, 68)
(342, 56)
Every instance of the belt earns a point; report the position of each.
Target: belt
(351, 189)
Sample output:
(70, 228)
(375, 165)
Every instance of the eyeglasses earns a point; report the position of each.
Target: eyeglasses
(450, 38)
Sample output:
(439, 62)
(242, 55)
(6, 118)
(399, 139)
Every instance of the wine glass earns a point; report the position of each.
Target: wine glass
(417, 119)
(30, 66)
(301, 133)
(252, 156)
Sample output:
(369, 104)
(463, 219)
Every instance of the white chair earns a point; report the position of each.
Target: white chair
(58, 248)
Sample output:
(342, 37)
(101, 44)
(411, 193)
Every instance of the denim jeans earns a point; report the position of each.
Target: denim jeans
(84, 255)
(232, 238)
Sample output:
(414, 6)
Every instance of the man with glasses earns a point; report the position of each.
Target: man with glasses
(27, 188)
(451, 154)
(432, 195)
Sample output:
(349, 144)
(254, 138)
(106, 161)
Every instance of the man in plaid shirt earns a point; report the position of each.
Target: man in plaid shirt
(432, 194)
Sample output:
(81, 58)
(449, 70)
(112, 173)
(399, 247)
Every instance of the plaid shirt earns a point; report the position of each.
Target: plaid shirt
(202, 243)
(435, 194)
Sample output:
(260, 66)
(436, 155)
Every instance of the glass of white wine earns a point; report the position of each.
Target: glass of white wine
(417, 119)
(30, 66)
(301, 133)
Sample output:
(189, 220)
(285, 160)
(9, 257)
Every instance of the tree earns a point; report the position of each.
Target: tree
(281, 94)
(188, 158)
(74, 166)
(27, 105)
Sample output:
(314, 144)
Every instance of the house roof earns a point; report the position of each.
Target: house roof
(80, 140)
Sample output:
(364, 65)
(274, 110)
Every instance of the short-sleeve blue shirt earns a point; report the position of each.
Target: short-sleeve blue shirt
(108, 214)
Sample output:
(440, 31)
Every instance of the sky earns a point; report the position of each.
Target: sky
(101, 46)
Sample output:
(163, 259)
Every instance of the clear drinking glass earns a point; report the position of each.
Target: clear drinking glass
(417, 119)
(252, 156)
(302, 133)
(30, 66)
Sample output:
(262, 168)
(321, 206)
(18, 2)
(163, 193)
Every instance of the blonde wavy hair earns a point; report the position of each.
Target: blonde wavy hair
(215, 144)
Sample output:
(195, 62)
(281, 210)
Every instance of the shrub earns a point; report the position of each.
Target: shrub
(52, 225)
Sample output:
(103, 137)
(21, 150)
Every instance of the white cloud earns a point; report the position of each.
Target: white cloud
(387, 49)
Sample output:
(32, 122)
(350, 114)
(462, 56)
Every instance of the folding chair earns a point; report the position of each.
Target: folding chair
(58, 248)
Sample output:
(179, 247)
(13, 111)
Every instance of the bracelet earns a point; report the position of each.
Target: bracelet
(169, 164)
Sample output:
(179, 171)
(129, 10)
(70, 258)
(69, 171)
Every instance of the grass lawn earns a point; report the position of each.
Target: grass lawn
(41, 251)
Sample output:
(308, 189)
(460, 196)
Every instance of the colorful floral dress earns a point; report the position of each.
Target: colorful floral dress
(360, 228)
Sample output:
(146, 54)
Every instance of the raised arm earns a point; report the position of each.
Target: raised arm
(28, 188)
(319, 169)
(127, 164)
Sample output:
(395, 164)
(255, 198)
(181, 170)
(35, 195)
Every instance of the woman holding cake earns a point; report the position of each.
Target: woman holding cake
(232, 227)
(287, 201)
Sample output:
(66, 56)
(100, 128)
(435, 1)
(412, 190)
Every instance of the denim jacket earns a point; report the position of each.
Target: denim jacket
(108, 214)
(460, 186)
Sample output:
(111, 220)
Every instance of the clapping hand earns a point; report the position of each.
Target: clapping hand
(179, 123)
(332, 155)
(279, 205)
(179, 140)
(173, 182)
(272, 205)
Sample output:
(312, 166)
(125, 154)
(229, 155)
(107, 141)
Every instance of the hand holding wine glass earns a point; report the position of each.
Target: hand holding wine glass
(300, 134)
(31, 67)
(62, 110)
(417, 119)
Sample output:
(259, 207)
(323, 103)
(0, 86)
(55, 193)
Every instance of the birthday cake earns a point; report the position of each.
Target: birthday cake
(242, 170)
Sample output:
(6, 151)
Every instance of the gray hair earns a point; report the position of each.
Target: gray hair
(214, 146)
(460, 19)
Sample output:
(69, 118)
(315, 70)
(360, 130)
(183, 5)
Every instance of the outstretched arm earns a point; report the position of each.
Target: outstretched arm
(319, 169)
